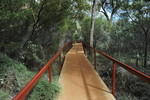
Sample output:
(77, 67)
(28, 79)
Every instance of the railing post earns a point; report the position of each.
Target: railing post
(94, 59)
(67, 49)
(50, 73)
(60, 62)
(114, 78)
(83, 47)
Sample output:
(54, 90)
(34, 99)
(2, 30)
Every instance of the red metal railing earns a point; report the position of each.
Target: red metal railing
(116, 62)
(21, 95)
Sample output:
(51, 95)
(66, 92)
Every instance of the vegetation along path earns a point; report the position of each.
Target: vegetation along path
(79, 80)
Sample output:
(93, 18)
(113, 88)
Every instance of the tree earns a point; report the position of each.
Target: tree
(85, 24)
(102, 32)
(92, 23)
(139, 13)
(31, 28)
(109, 7)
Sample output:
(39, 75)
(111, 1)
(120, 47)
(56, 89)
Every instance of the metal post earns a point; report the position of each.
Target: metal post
(60, 62)
(68, 48)
(114, 78)
(50, 73)
(94, 59)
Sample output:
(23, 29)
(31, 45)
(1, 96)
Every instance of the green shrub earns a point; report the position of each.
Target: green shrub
(126, 97)
(4, 95)
(14, 76)
(56, 69)
(33, 56)
(141, 90)
(44, 90)
(129, 87)
(11, 48)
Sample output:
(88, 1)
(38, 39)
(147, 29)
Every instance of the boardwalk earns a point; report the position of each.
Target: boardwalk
(78, 79)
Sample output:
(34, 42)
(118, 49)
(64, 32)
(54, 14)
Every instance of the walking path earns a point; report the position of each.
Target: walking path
(78, 79)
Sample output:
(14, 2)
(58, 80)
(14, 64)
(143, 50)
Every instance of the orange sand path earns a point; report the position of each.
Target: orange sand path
(78, 79)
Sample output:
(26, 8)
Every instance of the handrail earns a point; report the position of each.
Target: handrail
(21, 95)
(117, 62)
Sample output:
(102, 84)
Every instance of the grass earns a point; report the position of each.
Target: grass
(14, 76)
(44, 90)
(4, 95)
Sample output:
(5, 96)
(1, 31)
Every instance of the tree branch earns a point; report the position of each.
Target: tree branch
(105, 13)
(38, 19)
(34, 25)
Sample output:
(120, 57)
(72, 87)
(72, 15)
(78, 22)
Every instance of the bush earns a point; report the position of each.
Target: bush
(4, 95)
(10, 49)
(33, 56)
(141, 90)
(126, 97)
(14, 76)
(134, 87)
(128, 86)
(44, 90)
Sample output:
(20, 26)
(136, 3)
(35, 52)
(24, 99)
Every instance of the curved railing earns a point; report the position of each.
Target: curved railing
(21, 95)
(117, 62)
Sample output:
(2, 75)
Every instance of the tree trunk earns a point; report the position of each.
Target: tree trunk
(137, 62)
(92, 23)
(145, 50)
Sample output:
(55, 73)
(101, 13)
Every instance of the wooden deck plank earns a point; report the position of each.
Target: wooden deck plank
(78, 79)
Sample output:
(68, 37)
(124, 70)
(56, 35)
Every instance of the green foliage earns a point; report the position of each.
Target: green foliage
(14, 76)
(11, 48)
(102, 31)
(56, 68)
(139, 86)
(77, 36)
(58, 21)
(85, 27)
(4, 95)
(12, 14)
(31, 30)
(33, 55)
(126, 97)
(44, 90)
